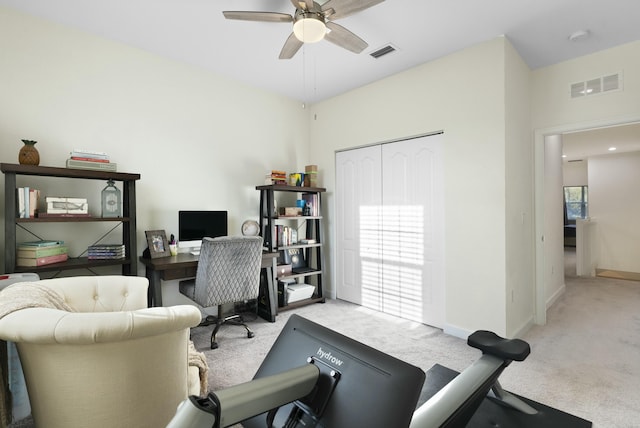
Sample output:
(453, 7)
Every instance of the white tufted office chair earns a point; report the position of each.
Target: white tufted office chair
(110, 362)
(228, 272)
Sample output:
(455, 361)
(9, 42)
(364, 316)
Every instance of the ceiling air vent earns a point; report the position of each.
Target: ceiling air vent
(612, 82)
(383, 51)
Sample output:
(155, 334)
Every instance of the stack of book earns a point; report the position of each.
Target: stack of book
(106, 252)
(41, 253)
(87, 159)
(286, 235)
(27, 202)
(276, 177)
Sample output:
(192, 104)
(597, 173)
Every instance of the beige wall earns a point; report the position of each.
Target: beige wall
(552, 106)
(614, 206)
(553, 273)
(200, 141)
(519, 291)
(575, 173)
(464, 95)
(554, 112)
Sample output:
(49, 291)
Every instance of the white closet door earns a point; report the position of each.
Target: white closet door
(413, 230)
(390, 228)
(358, 193)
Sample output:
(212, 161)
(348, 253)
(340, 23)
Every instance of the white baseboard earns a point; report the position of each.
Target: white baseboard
(462, 333)
(524, 328)
(455, 331)
(551, 300)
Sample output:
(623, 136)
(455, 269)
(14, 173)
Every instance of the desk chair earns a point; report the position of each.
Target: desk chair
(228, 272)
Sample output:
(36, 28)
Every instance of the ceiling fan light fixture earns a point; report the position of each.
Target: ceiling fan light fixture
(309, 27)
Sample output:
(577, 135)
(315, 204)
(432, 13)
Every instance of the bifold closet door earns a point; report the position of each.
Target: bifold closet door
(358, 207)
(390, 228)
(413, 229)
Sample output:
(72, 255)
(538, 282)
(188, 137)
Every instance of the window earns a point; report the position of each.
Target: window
(576, 203)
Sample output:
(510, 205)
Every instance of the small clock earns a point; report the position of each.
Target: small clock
(250, 228)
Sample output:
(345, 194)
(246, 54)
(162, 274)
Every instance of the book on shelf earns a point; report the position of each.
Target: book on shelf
(311, 200)
(20, 199)
(27, 202)
(36, 252)
(106, 256)
(62, 215)
(87, 159)
(106, 252)
(95, 166)
(90, 154)
(286, 235)
(107, 248)
(34, 197)
(110, 251)
(42, 261)
(25, 214)
(276, 177)
(40, 243)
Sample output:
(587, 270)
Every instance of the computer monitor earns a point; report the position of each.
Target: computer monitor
(359, 386)
(195, 225)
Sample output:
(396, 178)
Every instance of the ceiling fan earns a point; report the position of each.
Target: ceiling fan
(311, 20)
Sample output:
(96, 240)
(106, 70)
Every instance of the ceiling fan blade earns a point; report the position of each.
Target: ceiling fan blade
(303, 4)
(345, 38)
(291, 47)
(258, 16)
(344, 8)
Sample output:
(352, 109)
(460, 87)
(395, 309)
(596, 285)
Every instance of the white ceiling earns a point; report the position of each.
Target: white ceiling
(595, 142)
(195, 31)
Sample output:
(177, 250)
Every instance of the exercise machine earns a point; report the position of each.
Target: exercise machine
(344, 383)
(455, 404)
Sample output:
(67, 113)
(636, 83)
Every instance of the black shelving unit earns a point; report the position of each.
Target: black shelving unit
(128, 219)
(313, 225)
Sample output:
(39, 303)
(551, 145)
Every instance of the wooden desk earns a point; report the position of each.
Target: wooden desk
(185, 265)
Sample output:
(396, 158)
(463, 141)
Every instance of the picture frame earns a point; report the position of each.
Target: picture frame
(158, 244)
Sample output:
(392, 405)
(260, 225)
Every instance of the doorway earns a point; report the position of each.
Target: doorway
(549, 242)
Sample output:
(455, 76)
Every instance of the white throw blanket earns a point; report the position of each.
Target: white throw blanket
(197, 359)
(23, 295)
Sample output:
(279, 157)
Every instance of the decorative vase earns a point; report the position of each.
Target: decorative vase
(28, 154)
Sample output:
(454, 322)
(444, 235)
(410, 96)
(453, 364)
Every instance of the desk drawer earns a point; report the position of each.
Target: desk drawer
(178, 273)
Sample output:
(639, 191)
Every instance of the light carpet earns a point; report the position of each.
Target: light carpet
(585, 361)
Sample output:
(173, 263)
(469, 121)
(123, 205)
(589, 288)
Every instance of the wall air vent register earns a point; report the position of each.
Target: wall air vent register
(599, 85)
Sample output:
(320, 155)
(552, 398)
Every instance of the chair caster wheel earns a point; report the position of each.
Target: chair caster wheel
(250, 334)
(209, 319)
(214, 345)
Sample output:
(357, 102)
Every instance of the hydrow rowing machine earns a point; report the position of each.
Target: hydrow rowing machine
(342, 383)
(455, 404)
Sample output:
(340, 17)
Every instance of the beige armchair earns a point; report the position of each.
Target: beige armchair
(102, 359)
